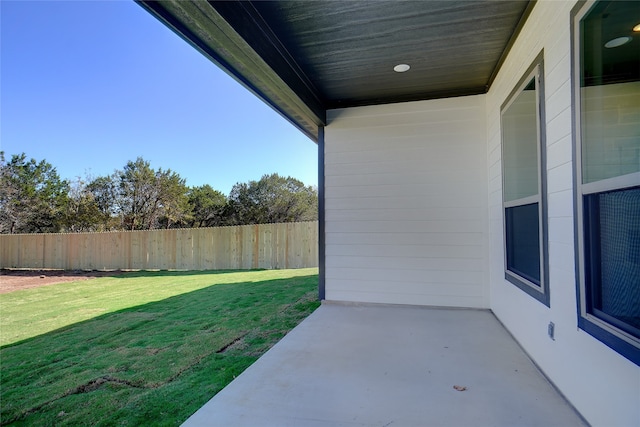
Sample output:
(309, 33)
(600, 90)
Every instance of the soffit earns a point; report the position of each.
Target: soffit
(305, 57)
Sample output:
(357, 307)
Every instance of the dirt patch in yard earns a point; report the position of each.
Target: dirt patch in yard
(14, 280)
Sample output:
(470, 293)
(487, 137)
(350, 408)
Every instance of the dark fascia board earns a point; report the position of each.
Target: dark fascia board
(251, 26)
(510, 43)
(207, 30)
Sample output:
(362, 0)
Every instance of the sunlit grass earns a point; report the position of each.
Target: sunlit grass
(25, 314)
(165, 343)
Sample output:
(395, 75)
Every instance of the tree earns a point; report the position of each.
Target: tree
(104, 194)
(81, 212)
(32, 196)
(207, 206)
(147, 199)
(135, 186)
(172, 200)
(272, 199)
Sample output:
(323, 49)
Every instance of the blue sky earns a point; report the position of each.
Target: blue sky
(89, 85)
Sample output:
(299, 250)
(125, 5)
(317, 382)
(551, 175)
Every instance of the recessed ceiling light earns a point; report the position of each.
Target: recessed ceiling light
(637, 28)
(617, 42)
(401, 68)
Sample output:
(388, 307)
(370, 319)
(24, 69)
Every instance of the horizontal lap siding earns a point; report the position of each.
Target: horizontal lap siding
(602, 385)
(405, 203)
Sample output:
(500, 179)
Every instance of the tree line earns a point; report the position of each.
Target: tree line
(34, 199)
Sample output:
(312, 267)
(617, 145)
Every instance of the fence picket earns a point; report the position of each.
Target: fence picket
(288, 245)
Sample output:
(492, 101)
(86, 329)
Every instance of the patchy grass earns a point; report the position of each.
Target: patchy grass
(165, 343)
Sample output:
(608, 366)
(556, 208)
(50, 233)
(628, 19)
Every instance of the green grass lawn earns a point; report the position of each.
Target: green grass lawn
(142, 348)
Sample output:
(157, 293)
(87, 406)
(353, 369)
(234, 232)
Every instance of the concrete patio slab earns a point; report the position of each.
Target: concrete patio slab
(368, 365)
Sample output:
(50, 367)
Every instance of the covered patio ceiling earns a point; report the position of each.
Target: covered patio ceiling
(305, 57)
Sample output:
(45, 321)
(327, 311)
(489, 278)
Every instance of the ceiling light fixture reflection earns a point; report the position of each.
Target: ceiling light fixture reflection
(637, 28)
(617, 42)
(401, 68)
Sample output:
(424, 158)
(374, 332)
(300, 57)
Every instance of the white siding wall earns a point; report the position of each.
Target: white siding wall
(602, 385)
(414, 216)
(406, 206)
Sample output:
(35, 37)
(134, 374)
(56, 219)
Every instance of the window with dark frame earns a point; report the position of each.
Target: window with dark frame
(606, 42)
(524, 186)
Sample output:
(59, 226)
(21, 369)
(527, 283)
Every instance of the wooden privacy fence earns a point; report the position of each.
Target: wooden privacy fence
(272, 246)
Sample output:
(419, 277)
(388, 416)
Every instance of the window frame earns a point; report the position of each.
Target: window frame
(538, 292)
(593, 323)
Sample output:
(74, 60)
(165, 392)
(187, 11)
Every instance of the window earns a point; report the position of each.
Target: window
(523, 186)
(606, 52)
